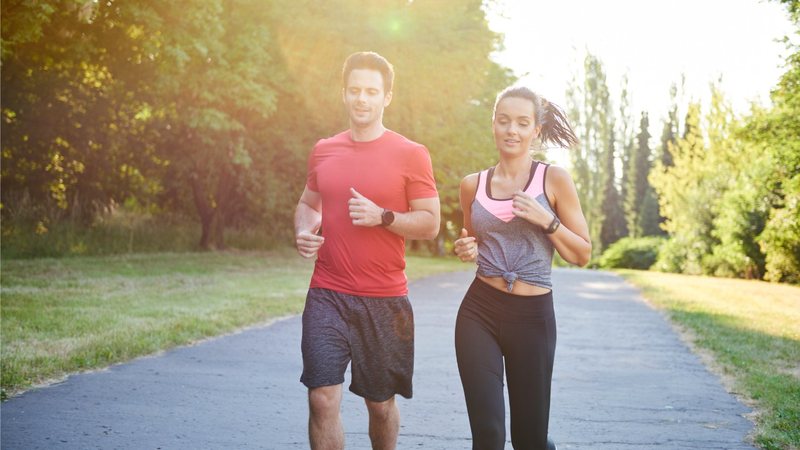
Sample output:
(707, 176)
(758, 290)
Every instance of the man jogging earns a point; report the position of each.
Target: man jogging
(367, 190)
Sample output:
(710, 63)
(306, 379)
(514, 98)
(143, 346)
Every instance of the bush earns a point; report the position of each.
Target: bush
(632, 253)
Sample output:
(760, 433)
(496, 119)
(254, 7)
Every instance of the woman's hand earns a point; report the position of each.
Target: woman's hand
(466, 247)
(529, 209)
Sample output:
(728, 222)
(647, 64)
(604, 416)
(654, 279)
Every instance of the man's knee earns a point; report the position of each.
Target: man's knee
(325, 400)
(381, 410)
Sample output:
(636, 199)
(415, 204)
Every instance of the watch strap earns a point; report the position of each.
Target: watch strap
(553, 225)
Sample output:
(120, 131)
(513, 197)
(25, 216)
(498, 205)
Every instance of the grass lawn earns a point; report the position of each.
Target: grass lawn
(752, 331)
(71, 314)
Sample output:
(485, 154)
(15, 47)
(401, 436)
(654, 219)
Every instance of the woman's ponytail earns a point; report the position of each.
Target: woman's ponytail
(555, 125)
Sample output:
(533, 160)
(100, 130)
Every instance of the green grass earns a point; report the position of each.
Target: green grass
(752, 329)
(71, 314)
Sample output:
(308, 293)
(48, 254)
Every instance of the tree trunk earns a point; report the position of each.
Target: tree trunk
(213, 211)
(204, 210)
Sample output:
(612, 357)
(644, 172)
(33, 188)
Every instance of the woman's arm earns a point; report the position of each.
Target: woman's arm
(571, 239)
(466, 246)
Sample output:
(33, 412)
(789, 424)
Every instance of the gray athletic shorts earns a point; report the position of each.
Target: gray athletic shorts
(376, 334)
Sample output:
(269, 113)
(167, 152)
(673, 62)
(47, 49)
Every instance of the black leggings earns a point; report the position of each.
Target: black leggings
(491, 325)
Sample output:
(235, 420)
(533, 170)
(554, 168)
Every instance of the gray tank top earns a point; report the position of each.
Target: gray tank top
(509, 246)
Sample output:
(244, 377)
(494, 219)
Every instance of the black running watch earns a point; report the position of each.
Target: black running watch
(387, 217)
(553, 225)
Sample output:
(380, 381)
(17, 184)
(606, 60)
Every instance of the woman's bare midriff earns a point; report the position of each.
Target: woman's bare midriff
(520, 287)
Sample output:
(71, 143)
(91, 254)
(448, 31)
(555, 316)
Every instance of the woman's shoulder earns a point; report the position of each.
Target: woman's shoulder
(472, 177)
(470, 180)
(558, 174)
(469, 184)
(558, 182)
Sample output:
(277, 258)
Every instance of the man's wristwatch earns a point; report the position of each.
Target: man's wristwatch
(553, 225)
(387, 217)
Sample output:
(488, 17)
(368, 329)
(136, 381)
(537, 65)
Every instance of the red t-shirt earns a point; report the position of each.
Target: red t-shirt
(390, 171)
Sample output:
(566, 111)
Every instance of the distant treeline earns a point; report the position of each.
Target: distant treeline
(723, 191)
(207, 109)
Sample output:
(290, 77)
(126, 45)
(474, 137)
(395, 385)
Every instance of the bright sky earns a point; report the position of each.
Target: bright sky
(654, 41)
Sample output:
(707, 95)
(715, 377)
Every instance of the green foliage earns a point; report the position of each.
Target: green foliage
(778, 130)
(209, 108)
(613, 226)
(730, 196)
(590, 112)
(689, 191)
(672, 256)
(781, 241)
(632, 253)
(625, 143)
(638, 185)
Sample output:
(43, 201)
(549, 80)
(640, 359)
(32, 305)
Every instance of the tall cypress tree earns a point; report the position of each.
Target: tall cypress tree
(670, 131)
(589, 108)
(637, 180)
(625, 143)
(669, 135)
(613, 226)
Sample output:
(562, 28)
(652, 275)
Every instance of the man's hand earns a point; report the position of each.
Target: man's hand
(466, 247)
(363, 211)
(308, 244)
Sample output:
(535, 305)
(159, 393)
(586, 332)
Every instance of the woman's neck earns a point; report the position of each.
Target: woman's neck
(514, 167)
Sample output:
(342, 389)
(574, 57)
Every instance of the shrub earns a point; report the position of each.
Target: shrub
(632, 253)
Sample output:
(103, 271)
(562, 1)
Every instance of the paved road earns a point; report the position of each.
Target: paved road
(623, 380)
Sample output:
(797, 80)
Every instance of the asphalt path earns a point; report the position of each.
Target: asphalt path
(623, 380)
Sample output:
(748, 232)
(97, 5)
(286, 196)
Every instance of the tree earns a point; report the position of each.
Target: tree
(444, 103)
(209, 108)
(773, 136)
(613, 227)
(678, 186)
(639, 219)
(215, 85)
(589, 108)
(625, 142)
(690, 192)
(74, 142)
(670, 131)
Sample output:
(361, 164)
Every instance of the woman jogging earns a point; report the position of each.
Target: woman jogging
(515, 214)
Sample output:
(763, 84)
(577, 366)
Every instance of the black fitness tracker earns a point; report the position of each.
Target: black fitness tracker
(553, 225)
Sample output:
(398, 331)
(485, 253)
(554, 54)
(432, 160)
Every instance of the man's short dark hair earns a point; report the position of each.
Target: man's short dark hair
(371, 61)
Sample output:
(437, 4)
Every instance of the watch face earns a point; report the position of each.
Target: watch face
(387, 218)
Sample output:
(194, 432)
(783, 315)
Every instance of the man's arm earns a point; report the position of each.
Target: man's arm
(307, 221)
(420, 222)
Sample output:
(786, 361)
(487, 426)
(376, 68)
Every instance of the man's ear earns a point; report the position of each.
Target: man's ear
(387, 99)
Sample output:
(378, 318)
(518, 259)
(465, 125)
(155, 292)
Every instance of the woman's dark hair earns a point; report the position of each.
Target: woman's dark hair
(371, 61)
(555, 126)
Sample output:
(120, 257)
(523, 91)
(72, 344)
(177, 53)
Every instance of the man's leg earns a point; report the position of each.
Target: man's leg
(384, 424)
(324, 420)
